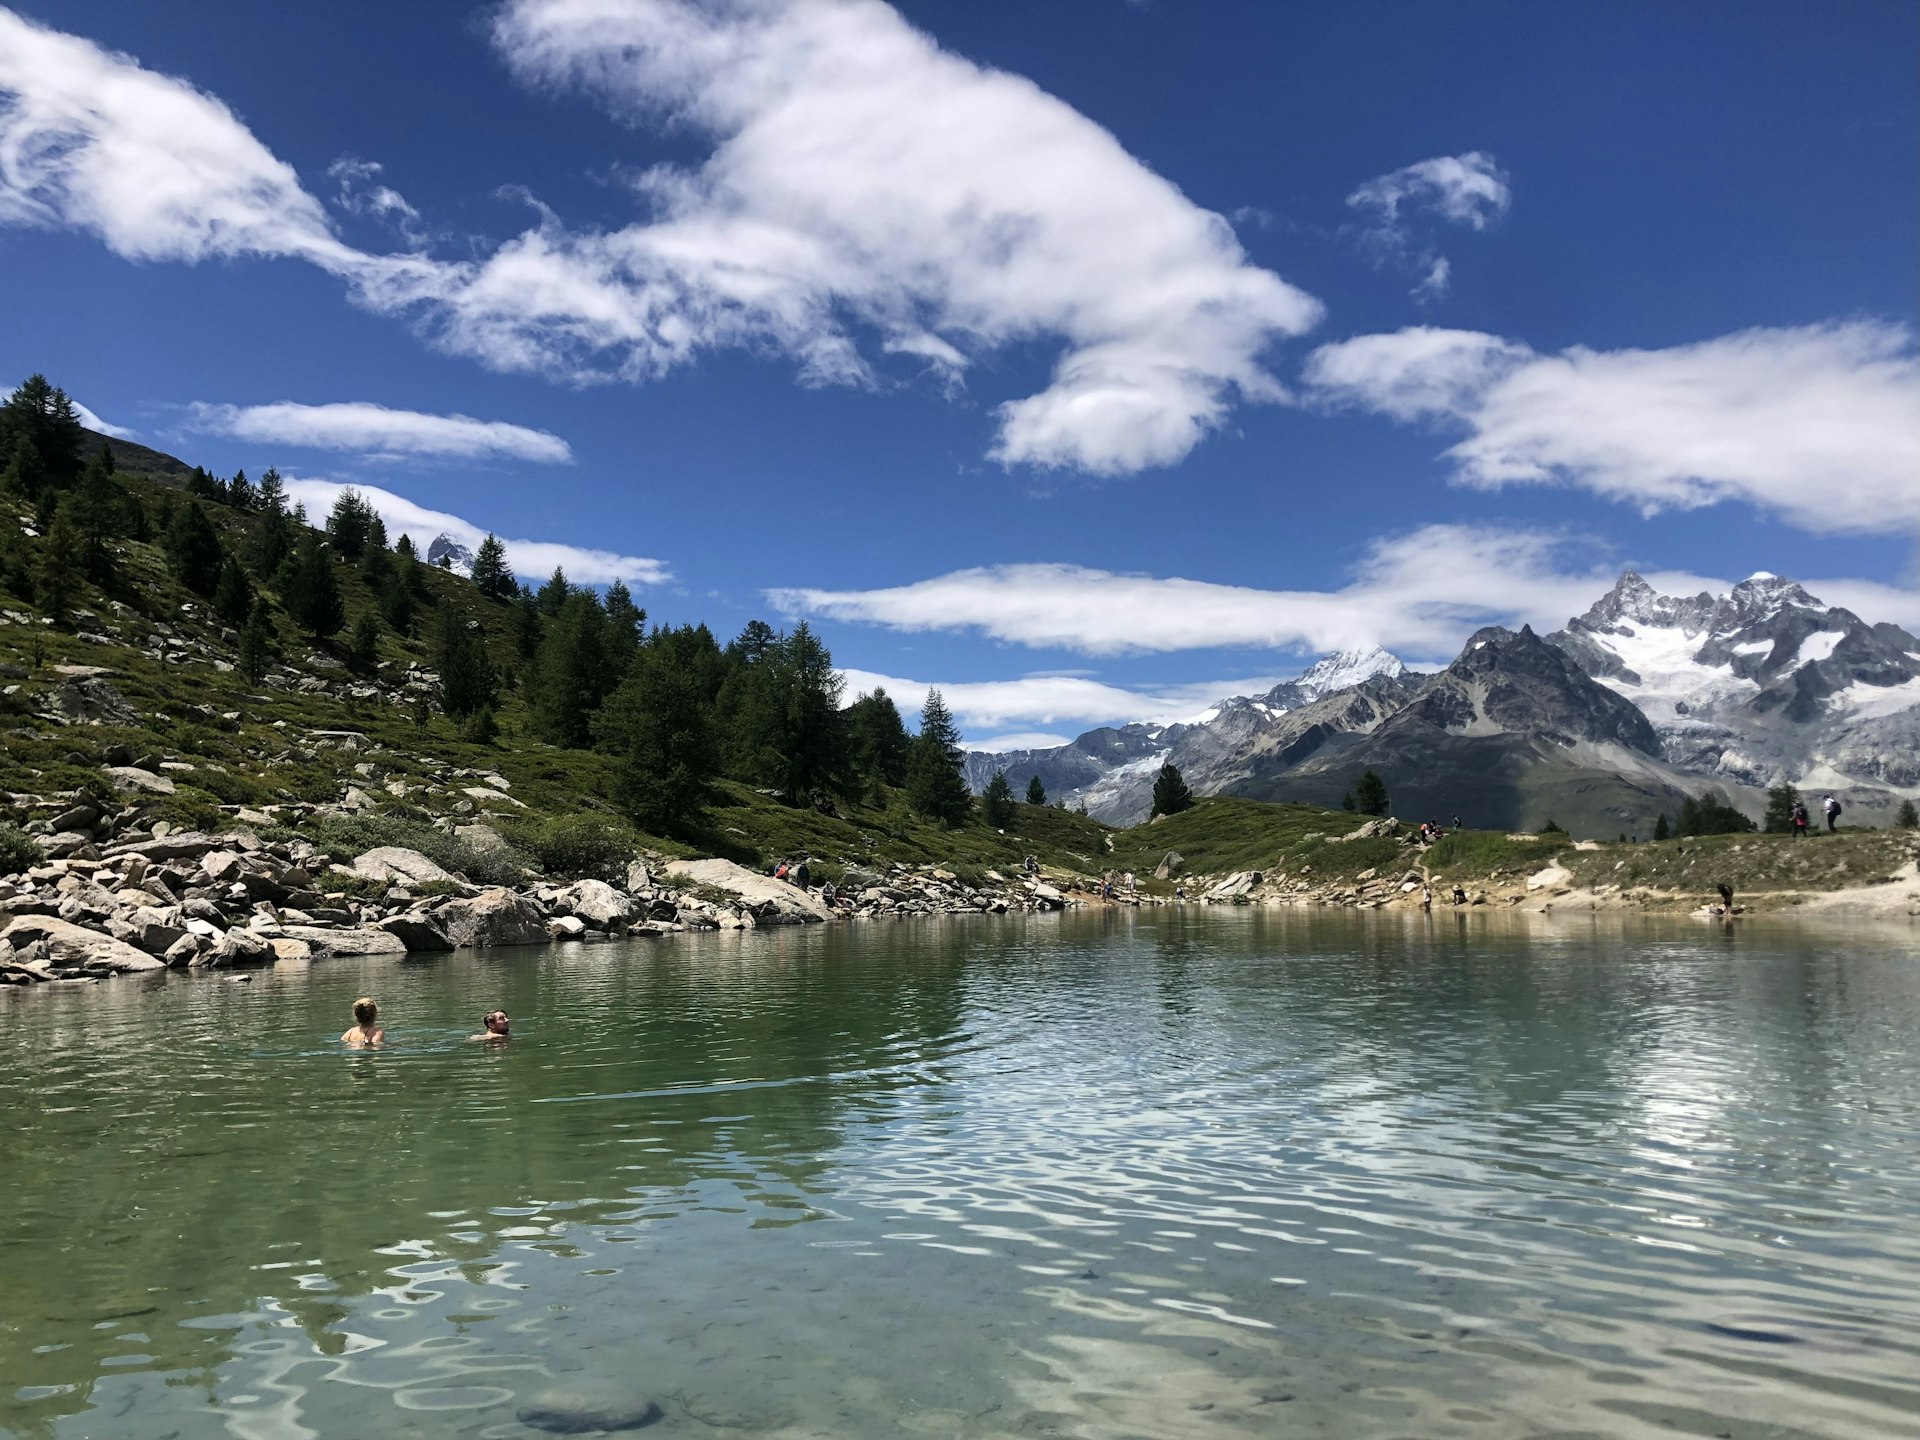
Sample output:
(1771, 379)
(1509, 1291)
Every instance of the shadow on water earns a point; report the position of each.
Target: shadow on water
(1117, 1173)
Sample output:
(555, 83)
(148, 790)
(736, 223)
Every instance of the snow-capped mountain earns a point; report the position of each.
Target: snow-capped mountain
(445, 547)
(1643, 699)
(1761, 685)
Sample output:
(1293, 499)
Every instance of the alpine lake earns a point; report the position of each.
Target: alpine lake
(1176, 1173)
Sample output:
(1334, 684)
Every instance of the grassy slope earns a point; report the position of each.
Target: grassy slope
(254, 746)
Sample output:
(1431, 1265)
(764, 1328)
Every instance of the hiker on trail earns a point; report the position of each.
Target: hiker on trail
(1799, 821)
(1830, 807)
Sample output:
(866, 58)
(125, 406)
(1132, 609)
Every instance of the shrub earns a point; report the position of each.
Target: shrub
(19, 851)
(342, 837)
(579, 847)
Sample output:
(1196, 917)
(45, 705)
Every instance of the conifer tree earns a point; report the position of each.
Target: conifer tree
(626, 626)
(878, 738)
(1170, 792)
(553, 595)
(240, 493)
(311, 593)
(404, 546)
(491, 576)
(57, 575)
(1907, 818)
(659, 726)
(233, 596)
(348, 524)
(1780, 802)
(97, 516)
(468, 681)
(1346, 801)
(1036, 792)
(812, 735)
(272, 539)
(1371, 794)
(934, 785)
(25, 474)
(363, 644)
(40, 412)
(571, 666)
(481, 728)
(1661, 829)
(528, 627)
(193, 546)
(996, 802)
(258, 645)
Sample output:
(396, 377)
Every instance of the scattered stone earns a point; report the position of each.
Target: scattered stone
(132, 777)
(576, 1410)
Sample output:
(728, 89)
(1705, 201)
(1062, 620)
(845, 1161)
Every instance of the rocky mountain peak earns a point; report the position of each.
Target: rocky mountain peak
(445, 547)
(1346, 668)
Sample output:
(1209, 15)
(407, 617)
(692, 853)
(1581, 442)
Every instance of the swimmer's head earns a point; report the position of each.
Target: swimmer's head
(496, 1021)
(364, 1010)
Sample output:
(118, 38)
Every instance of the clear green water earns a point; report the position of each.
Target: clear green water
(1220, 1174)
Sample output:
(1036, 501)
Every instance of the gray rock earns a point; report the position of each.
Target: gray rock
(242, 948)
(132, 777)
(69, 945)
(788, 902)
(597, 903)
(394, 862)
(493, 917)
(325, 941)
(566, 927)
(577, 1409)
(417, 930)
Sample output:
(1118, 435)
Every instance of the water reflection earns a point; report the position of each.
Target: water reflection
(1223, 1173)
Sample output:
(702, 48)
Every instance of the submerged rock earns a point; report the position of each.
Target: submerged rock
(576, 1410)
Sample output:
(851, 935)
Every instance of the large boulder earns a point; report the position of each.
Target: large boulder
(132, 777)
(395, 863)
(762, 892)
(417, 930)
(324, 940)
(493, 917)
(149, 928)
(597, 903)
(243, 947)
(70, 945)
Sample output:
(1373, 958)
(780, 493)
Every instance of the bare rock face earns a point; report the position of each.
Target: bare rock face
(493, 917)
(325, 941)
(395, 863)
(71, 945)
(417, 930)
(761, 891)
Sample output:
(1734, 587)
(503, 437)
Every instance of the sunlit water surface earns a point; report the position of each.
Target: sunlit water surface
(1213, 1174)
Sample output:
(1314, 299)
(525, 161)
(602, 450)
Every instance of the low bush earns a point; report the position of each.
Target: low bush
(19, 851)
(578, 847)
(1482, 852)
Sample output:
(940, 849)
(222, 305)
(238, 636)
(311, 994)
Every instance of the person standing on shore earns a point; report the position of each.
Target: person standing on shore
(366, 1030)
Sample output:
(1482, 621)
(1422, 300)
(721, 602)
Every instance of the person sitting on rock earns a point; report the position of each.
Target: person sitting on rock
(366, 1025)
(496, 1024)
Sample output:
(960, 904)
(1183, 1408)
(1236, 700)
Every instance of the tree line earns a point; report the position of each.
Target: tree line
(674, 707)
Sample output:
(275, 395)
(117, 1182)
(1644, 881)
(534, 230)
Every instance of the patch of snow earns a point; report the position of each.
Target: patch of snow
(1818, 646)
(1753, 647)
(1763, 575)
(1346, 668)
(1664, 657)
(1205, 717)
(1874, 702)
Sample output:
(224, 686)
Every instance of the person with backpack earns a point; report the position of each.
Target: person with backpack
(1831, 807)
(1799, 821)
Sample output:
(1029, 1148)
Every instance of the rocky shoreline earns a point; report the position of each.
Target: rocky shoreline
(161, 900)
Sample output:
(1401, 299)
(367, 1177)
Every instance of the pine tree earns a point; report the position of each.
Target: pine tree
(1170, 792)
(1346, 802)
(491, 575)
(25, 473)
(233, 595)
(879, 739)
(1371, 794)
(571, 667)
(376, 531)
(797, 735)
(42, 413)
(553, 595)
(273, 537)
(97, 516)
(1552, 827)
(396, 604)
(1661, 829)
(1711, 815)
(1907, 818)
(468, 681)
(363, 645)
(348, 524)
(311, 593)
(529, 629)
(934, 785)
(626, 625)
(258, 645)
(61, 565)
(1780, 802)
(194, 548)
(659, 725)
(481, 728)
(1036, 792)
(996, 802)
(404, 546)
(240, 492)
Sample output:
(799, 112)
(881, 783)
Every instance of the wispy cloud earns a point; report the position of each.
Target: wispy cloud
(1815, 423)
(1468, 189)
(372, 429)
(1419, 594)
(532, 558)
(1032, 706)
(862, 183)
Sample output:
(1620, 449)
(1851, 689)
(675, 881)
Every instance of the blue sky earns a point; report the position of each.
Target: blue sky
(1086, 360)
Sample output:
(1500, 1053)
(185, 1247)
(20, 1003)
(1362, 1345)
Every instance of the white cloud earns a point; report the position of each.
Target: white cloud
(861, 180)
(1019, 740)
(374, 429)
(532, 558)
(1468, 189)
(1419, 594)
(105, 427)
(1816, 423)
(362, 193)
(990, 708)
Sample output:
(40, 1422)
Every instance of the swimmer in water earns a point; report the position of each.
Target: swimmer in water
(496, 1022)
(366, 1025)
